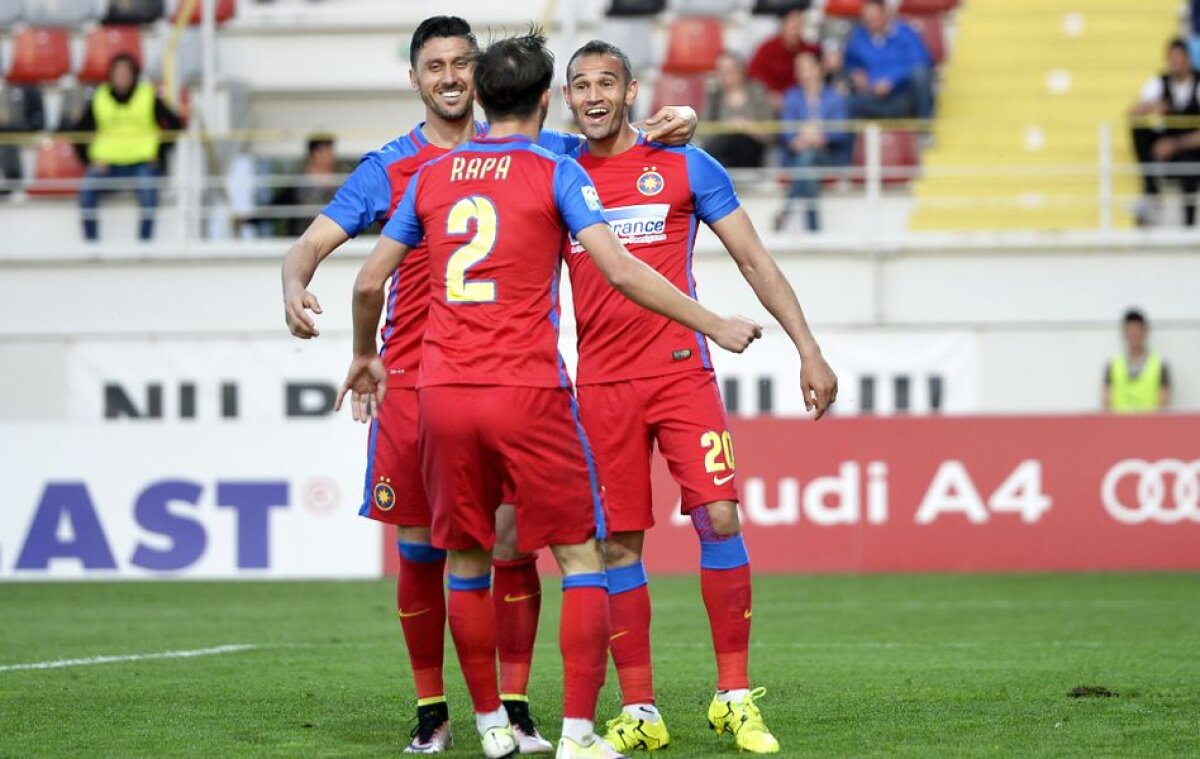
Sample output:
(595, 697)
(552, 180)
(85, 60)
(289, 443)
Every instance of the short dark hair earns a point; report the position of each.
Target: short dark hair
(1135, 316)
(439, 26)
(600, 47)
(318, 141)
(1179, 43)
(512, 74)
(120, 58)
(880, 3)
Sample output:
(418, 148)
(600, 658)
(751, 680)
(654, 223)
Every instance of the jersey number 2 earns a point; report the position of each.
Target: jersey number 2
(483, 212)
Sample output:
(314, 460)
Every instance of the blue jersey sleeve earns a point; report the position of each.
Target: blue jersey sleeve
(576, 196)
(405, 225)
(364, 198)
(712, 189)
(560, 143)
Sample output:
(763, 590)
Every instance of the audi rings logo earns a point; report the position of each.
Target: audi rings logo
(1167, 491)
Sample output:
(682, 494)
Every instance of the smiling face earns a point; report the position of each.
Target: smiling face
(444, 77)
(599, 95)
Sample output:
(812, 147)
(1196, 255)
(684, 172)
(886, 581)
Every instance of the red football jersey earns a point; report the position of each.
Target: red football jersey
(494, 215)
(371, 194)
(653, 196)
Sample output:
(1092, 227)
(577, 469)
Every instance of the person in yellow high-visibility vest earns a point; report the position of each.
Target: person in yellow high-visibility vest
(127, 117)
(1136, 381)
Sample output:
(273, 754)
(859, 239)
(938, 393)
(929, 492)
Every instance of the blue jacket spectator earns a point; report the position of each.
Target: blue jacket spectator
(812, 143)
(890, 66)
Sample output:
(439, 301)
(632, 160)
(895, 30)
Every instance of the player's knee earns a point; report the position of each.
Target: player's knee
(472, 563)
(413, 534)
(716, 520)
(623, 549)
(580, 558)
(506, 535)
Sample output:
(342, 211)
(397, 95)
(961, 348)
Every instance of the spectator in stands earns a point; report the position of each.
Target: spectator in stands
(833, 59)
(734, 99)
(890, 67)
(316, 187)
(815, 143)
(127, 118)
(1174, 93)
(1136, 380)
(772, 63)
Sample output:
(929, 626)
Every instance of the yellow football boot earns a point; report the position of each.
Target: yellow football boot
(629, 733)
(744, 721)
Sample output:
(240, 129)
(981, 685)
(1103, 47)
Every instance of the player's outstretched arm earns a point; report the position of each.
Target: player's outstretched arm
(817, 380)
(672, 125)
(366, 380)
(321, 238)
(649, 289)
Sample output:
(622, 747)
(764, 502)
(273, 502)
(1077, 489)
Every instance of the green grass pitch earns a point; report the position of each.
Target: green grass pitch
(854, 666)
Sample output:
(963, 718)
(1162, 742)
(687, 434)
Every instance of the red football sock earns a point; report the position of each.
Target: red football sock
(517, 595)
(630, 643)
(583, 640)
(727, 599)
(473, 627)
(421, 603)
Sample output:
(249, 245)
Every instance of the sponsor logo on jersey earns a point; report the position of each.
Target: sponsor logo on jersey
(635, 225)
(682, 354)
(650, 183)
(385, 497)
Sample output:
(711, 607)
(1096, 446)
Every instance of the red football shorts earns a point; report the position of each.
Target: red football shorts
(394, 492)
(684, 415)
(479, 444)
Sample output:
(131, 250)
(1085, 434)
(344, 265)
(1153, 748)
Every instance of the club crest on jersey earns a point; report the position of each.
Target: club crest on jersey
(650, 183)
(385, 497)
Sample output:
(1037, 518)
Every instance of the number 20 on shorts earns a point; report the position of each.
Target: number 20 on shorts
(719, 451)
(482, 211)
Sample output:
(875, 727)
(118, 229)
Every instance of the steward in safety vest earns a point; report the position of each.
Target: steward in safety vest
(127, 118)
(1136, 381)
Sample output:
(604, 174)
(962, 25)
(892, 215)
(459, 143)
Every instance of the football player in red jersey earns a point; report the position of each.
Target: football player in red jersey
(495, 403)
(442, 75)
(643, 379)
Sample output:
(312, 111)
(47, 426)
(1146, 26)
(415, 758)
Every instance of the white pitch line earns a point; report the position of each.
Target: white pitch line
(230, 648)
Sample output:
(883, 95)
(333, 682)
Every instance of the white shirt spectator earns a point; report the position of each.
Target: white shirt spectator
(1181, 91)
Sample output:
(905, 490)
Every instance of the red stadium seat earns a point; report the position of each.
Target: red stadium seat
(927, 7)
(103, 44)
(932, 34)
(843, 8)
(39, 54)
(693, 45)
(57, 170)
(898, 150)
(225, 10)
(680, 89)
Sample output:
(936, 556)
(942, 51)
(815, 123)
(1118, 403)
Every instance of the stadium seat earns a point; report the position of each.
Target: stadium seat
(39, 55)
(932, 34)
(225, 10)
(633, 36)
(778, 7)
(21, 109)
(636, 7)
(716, 8)
(60, 12)
(134, 11)
(103, 44)
(11, 12)
(898, 150)
(926, 7)
(693, 45)
(57, 170)
(843, 8)
(681, 89)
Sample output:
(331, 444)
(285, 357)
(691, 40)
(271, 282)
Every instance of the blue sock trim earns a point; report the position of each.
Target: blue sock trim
(421, 553)
(483, 582)
(726, 554)
(623, 579)
(587, 580)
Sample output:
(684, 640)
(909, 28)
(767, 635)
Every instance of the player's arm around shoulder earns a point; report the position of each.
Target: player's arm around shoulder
(818, 382)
